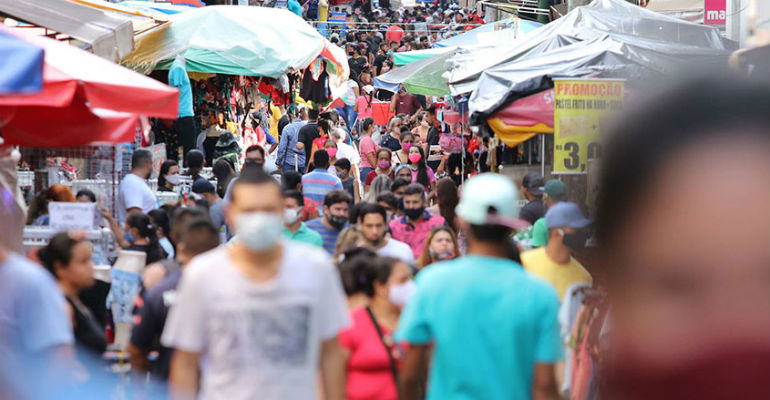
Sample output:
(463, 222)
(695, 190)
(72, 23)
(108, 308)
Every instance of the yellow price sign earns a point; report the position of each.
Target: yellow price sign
(579, 107)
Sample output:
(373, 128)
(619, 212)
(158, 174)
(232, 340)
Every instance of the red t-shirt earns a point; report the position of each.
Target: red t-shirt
(368, 371)
(393, 34)
(372, 175)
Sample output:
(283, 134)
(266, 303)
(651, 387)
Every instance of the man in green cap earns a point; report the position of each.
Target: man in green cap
(555, 191)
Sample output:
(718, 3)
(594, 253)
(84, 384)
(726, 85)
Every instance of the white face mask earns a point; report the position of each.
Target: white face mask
(400, 294)
(290, 215)
(259, 231)
(173, 179)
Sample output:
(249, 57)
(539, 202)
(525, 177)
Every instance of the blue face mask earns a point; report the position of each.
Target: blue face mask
(129, 237)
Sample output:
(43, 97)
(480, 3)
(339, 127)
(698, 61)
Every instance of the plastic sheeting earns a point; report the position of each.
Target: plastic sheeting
(484, 33)
(408, 57)
(608, 38)
(253, 41)
(420, 77)
(21, 66)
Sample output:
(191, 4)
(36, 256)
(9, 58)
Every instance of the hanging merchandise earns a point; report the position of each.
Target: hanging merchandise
(227, 147)
(315, 83)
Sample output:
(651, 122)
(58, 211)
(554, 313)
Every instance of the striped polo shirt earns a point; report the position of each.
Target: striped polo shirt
(328, 235)
(317, 184)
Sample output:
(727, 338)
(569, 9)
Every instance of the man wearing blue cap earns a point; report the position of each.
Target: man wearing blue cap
(554, 191)
(492, 327)
(554, 262)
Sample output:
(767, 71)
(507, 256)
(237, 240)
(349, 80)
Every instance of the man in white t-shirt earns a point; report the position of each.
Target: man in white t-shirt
(263, 313)
(372, 220)
(134, 192)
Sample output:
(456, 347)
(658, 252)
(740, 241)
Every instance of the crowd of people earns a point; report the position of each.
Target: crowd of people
(348, 260)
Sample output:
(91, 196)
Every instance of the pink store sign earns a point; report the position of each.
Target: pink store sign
(714, 12)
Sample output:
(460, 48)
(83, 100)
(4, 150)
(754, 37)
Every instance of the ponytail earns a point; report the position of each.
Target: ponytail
(141, 222)
(361, 268)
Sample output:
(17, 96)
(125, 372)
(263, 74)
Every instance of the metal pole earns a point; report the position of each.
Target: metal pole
(542, 155)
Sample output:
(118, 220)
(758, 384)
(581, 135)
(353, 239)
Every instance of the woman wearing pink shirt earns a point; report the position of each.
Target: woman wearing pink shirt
(363, 104)
(367, 148)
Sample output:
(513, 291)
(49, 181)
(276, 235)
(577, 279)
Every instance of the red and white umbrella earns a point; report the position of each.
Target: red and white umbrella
(85, 99)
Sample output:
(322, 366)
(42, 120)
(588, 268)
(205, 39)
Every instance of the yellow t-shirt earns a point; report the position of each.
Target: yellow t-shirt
(560, 276)
(274, 121)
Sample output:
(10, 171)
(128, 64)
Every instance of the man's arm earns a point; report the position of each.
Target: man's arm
(332, 364)
(393, 102)
(183, 377)
(544, 383)
(139, 362)
(413, 371)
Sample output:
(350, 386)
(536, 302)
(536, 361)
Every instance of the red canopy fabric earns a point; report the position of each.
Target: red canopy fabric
(75, 85)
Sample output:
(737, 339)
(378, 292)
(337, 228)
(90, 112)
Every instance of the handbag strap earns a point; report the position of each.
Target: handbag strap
(388, 349)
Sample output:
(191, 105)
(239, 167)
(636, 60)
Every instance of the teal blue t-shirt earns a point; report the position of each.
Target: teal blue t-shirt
(177, 77)
(489, 321)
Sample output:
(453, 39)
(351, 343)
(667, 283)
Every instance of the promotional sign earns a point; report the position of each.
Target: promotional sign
(714, 12)
(580, 105)
(72, 216)
(338, 21)
(158, 152)
(281, 4)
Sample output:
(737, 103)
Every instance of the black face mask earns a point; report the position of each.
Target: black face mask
(576, 242)
(337, 221)
(414, 213)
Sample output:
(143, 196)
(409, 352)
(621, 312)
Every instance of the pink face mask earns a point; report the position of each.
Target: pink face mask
(383, 164)
(407, 146)
(332, 152)
(424, 123)
(414, 158)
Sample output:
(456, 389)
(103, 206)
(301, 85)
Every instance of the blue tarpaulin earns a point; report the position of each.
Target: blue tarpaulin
(21, 65)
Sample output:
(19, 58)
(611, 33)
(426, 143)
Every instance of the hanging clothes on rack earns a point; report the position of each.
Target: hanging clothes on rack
(585, 324)
(315, 83)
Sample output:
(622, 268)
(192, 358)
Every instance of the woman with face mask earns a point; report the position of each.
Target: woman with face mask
(421, 130)
(138, 234)
(331, 147)
(168, 178)
(441, 245)
(401, 156)
(372, 356)
(68, 258)
(421, 172)
(384, 167)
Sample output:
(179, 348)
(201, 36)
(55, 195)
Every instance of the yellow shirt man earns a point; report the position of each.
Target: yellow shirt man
(560, 276)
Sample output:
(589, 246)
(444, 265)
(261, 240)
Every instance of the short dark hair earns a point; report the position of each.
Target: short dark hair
(255, 147)
(200, 236)
(337, 196)
(312, 113)
(389, 198)
(321, 159)
(326, 125)
(296, 195)
(343, 163)
(194, 160)
(290, 180)
(181, 218)
(140, 159)
(87, 193)
(251, 174)
(415, 188)
(371, 208)
(497, 234)
(398, 183)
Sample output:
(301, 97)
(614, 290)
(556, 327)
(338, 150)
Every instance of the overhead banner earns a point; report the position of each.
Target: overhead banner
(579, 107)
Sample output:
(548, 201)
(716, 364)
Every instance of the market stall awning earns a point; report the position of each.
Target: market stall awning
(143, 20)
(524, 118)
(85, 99)
(233, 40)
(420, 77)
(489, 33)
(21, 64)
(109, 36)
(606, 39)
(408, 57)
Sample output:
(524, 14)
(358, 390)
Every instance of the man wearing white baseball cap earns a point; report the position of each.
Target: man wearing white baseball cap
(493, 327)
(554, 262)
